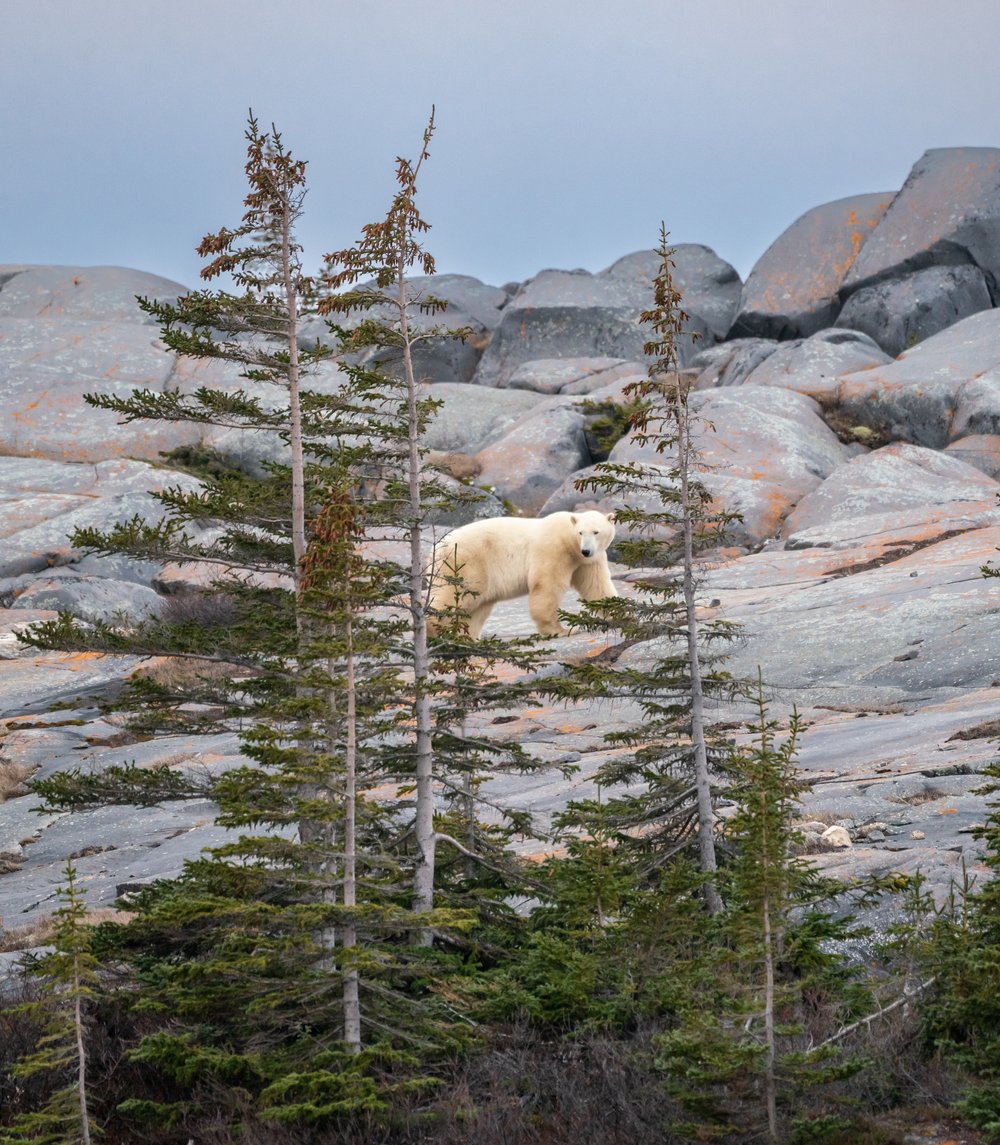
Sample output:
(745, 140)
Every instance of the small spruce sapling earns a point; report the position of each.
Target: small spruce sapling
(69, 982)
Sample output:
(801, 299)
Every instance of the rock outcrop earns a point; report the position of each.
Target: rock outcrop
(849, 406)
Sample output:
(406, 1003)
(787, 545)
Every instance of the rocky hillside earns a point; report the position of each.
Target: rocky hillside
(850, 391)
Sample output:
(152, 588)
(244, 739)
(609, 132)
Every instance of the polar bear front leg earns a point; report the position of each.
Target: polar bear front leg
(593, 581)
(544, 598)
(477, 618)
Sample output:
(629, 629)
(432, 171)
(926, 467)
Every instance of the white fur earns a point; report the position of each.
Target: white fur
(538, 557)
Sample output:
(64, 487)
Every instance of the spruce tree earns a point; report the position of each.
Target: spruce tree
(961, 952)
(449, 680)
(663, 786)
(745, 1053)
(68, 978)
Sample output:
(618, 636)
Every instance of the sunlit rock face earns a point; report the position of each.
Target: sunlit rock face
(792, 291)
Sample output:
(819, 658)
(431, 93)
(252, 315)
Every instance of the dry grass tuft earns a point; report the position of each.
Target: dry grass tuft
(41, 930)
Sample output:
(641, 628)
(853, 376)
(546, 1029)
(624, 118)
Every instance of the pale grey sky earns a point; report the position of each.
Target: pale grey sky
(567, 129)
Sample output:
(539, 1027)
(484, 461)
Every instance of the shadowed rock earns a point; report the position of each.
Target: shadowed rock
(575, 314)
(900, 312)
(814, 365)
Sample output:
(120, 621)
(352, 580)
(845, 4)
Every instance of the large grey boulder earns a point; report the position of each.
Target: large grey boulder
(729, 364)
(570, 375)
(91, 293)
(473, 307)
(536, 455)
(898, 488)
(46, 367)
(946, 214)
(709, 286)
(917, 397)
(813, 365)
(900, 312)
(760, 450)
(792, 290)
(575, 314)
(471, 417)
(88, 597)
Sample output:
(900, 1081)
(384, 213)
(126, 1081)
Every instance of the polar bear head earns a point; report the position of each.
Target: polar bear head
(594, 531)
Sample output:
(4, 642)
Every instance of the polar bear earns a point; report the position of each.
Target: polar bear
(505, 557)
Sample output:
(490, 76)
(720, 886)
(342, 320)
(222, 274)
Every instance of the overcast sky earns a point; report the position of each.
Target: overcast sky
(566, 129)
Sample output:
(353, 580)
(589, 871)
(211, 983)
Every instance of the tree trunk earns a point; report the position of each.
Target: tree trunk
(352, 1005)
(81, 1055)
(703, 786)
(423, 875)
(294, 409)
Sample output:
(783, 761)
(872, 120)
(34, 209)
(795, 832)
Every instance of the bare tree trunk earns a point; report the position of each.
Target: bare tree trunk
(770, 1084)
(294, 409)
(352, 1005)
(423, 875)
(703, 786)
(81, 1055)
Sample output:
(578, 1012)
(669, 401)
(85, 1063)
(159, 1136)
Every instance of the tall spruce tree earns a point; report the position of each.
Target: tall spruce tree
(663, 785)
(367, 287)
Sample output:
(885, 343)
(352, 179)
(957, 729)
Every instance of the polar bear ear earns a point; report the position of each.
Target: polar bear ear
(572, 518)
(612, 517)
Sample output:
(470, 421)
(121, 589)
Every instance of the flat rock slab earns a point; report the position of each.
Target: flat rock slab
(33, 683)
(43, 502)
(792, 290)
(916, 397)
(917, 629)
(13, 621)
(980, 450)
(947, 213)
